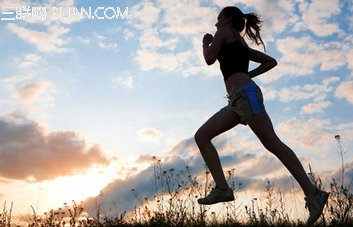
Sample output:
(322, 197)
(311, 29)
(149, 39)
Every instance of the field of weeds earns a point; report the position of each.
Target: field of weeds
(174, 204)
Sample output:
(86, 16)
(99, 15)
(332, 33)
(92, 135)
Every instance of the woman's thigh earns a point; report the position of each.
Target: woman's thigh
(262, 126)
(220, 122)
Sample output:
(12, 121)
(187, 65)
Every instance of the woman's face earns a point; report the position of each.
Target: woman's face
(222, 21)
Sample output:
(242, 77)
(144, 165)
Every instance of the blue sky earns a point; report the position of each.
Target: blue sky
(84, 99)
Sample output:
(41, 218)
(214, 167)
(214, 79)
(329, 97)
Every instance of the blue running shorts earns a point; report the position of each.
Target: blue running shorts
(245, 100)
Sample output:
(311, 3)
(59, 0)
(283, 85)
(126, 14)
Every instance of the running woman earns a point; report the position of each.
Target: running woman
(245, 105)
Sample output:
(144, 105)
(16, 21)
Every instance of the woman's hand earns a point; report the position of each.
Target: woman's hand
(207, 39)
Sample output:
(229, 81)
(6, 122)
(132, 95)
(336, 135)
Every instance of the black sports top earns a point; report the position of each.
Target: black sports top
(233, 57)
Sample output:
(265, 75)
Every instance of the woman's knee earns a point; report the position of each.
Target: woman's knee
(201, 136)
(273, 145)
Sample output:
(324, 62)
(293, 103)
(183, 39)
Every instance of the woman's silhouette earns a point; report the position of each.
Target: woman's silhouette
(245, 105)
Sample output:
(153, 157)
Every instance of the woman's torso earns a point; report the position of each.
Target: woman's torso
(235, 57)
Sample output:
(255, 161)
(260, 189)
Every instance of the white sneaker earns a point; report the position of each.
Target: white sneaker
(315, 204)
(217, 195)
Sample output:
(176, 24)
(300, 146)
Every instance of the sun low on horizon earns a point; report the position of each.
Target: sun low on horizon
(92, 93)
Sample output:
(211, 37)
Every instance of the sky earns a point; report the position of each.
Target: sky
(85, 103)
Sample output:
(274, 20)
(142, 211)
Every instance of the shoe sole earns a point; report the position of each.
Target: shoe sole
(216, 201)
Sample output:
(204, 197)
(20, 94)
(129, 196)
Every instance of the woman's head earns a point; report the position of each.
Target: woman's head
(236, 17)
(238, 20)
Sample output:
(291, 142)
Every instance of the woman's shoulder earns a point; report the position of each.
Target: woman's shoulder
(227, 34)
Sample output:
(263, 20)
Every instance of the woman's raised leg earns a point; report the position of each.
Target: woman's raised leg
(220, 122)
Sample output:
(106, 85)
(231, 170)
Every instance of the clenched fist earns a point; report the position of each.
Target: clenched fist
(207, 39)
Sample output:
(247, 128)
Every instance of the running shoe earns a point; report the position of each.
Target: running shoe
(315, 204)
(217, 195)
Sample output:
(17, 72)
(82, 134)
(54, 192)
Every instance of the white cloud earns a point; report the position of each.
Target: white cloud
(307, 91)
(83, 40)
(102, 43)
(127, 81)
(107, 45)
(345, 90)
(312, 135)
(186, 17)
(128, 34)
(30, 60)
(315, 107)
(159, 46)
(350, 59)
(144, 14)
(49, 41)
(10, 82)
(149, 60)
(13, 3)
(317, 16)
(301, 55)
(150, 39)
(269, 93)
(149, 134)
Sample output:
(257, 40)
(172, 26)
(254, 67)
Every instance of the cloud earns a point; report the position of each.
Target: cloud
(33, 91)
(314, 134)
(345, 90)
(307, 91)
(128, 34)
(315, 107)
(10, 82)
(277, 15)
(49, 41)
(127, 81)
(304, 54)
(249, 171)
(107, 45)
(103, 44)
(28, 94)
(30, 60)
(13, 3)
(150, 39)
(125, 194)
(349, 58)
(39, 154)
(149, 134)
(317, 17)
(144, 15)
(159, 42)
(261, 166)
(183, 160)
(177, 20)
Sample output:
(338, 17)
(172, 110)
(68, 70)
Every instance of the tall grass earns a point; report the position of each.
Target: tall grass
(174, 204)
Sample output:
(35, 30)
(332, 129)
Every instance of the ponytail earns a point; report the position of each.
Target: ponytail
(252, 24)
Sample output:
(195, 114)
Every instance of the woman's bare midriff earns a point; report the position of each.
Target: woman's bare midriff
(236, 79)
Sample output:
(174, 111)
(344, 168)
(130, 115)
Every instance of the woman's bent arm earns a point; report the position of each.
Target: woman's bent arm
(266, 63)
